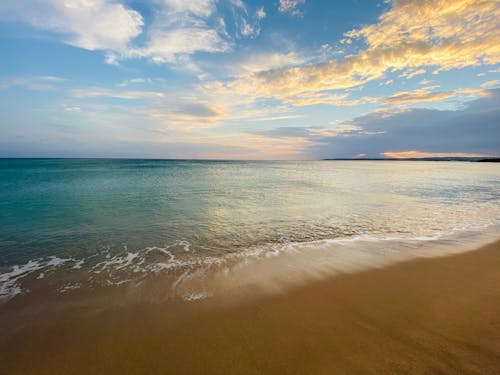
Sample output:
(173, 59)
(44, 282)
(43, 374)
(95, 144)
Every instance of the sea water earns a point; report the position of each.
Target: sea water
(202, 226)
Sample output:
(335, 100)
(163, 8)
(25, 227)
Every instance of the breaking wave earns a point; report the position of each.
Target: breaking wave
(192, 276)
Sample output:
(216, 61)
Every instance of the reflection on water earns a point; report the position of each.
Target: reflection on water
(115, 221)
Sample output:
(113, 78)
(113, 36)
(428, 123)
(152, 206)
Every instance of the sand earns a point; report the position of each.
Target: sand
(426, 316)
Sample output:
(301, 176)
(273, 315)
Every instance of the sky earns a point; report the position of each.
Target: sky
(245, 79)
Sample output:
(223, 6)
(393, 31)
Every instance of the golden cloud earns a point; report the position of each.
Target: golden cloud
(411, 74)
(413, 34)
(425, 95)
(422, 154)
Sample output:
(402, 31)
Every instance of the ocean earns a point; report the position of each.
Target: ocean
(178, 229)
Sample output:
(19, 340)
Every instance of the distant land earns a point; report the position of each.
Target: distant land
(451, 158)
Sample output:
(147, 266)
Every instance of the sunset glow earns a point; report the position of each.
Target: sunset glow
(249, 79)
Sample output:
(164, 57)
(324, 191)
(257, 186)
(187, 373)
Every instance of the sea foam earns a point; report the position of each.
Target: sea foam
(270, 267)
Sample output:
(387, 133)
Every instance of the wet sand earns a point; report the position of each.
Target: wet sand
(426, 316)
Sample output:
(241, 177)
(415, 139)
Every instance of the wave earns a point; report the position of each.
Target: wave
(271, 267)
(9, 281)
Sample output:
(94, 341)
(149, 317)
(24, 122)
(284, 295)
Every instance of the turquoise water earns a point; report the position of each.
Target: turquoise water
(121, 219)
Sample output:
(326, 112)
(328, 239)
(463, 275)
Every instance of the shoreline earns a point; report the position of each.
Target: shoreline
(156, 274)
(426, 315)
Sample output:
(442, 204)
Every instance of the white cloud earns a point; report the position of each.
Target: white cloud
(238, 4)
(260, 13)
(98, 92)
(249, 30)
(178, 28)
(111, 59)
(165, 45)
(183, 28)
(179, 111)
(489, 84)
(291, 6)
(72, 108)
(265, 61)
(88, 24)
(32, 82)
(200, 8)
(132, 81)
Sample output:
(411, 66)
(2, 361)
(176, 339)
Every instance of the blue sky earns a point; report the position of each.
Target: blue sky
(234, 79)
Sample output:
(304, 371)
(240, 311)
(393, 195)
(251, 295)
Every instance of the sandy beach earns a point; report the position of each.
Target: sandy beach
(426, 316)
(243, 187)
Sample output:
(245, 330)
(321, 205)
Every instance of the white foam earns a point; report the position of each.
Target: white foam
(119, 262)
(299, 263)
(270, 267)
(78, 264)
(196, 296)
(9, 281)
(70, 287)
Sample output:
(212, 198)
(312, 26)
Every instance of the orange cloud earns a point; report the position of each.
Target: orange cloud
(423, 154)
(425, 95)
(414, 73)
(445, 34)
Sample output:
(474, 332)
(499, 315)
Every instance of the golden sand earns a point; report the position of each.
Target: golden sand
(427, 316)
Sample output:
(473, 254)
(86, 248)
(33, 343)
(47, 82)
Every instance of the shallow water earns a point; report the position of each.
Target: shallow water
(70, 224)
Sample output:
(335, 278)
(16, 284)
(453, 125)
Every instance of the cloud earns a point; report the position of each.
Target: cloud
(241, 106)
(200, 8)
(249, 30)
(425, 82)
(175, 30)
(419, 154)
(400, 98)
(181, 112)
(38, 83)
(472, 129)
(91, 148)
(490, 83)
(98, 92)
(410, 74)
(411, 35)
(314, 98)
(181, 29)
(258, 62)
(72, 108)
(425, 95)
(88, 24)
(132, 81)
(166, 45)
(260, 13)
(309, 133)
(388, 82)
(276, 118)
(186, 114)
(249, 27)
(291, 7)
(111, 59)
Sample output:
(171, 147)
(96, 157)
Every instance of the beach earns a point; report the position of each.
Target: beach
(423, 316)
(242, 187)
